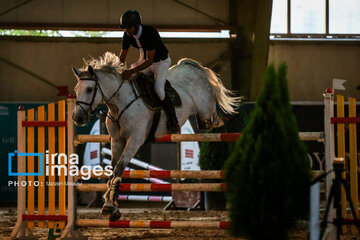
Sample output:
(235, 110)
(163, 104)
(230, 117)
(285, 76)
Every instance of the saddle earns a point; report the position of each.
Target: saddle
(145, 86)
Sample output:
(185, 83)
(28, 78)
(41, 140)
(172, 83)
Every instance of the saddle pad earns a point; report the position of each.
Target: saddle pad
(145, 86)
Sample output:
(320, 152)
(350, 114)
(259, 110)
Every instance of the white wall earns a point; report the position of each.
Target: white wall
(313, 65)
(52, 59)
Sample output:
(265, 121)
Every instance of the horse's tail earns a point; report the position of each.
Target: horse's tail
(224, 97)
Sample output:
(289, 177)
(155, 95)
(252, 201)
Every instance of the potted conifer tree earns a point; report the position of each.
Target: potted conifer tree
(268, 173)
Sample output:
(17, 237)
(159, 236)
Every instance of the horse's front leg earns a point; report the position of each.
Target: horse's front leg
(110, 205)
(131, 147)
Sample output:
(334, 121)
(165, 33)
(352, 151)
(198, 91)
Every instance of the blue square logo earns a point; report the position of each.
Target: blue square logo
(15, 154)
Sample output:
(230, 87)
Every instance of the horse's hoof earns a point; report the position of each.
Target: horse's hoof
(108, 209)
(115, 216)
(218, 123)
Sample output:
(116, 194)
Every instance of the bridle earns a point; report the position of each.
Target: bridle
(107, 102)
(81, 103)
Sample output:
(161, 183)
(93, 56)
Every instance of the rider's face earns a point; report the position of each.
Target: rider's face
(130, 31)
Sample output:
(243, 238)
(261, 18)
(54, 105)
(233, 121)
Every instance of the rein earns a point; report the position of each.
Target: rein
(107, 102)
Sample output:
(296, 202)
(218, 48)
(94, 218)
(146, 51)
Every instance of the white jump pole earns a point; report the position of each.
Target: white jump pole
(329, 156)
(314, 222)
(145, 198)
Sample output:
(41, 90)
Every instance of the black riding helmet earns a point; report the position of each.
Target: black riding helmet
(130, 18)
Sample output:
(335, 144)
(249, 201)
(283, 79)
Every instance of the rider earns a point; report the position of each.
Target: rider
(153, 58)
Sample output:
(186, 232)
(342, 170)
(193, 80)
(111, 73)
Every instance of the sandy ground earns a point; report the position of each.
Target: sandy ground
(8, 219)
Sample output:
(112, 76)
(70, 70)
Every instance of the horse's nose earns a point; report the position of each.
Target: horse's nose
(79, 120)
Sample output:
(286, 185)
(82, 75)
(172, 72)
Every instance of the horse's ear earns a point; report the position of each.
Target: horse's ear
(76, 72)
(91, 71)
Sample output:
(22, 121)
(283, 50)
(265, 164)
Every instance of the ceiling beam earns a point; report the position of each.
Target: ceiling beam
(203, 13)
(108, 27)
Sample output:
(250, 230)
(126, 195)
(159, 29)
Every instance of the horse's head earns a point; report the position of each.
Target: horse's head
(88, 95)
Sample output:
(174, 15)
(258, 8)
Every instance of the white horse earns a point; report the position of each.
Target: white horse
(129, 120)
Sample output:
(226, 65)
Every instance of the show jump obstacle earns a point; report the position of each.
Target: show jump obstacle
(56, 216)
(62, 214)
(332, 152)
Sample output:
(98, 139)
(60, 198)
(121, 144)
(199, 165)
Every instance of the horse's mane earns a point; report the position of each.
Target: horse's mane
(109, 62)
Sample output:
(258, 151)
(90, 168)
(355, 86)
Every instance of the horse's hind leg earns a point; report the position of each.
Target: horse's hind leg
(217, 121)
(213, 122)
(203, 124)
(207, 117)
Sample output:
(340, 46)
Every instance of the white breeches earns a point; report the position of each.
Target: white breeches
(159, 69)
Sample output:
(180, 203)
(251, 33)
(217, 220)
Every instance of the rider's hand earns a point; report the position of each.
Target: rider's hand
(126, 74)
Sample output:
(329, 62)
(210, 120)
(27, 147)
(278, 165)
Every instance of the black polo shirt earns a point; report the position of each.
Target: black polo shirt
(149, 40)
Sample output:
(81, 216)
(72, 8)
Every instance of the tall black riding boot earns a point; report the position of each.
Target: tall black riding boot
(172, 123)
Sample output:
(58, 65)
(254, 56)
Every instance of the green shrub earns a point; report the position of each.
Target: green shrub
(214, 154)
(268, 174)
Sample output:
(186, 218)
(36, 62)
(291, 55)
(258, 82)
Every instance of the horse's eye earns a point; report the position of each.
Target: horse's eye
(89, 90)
